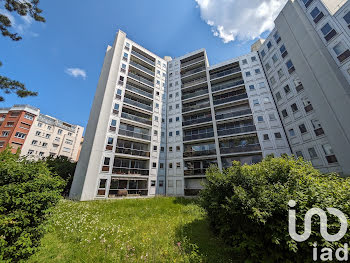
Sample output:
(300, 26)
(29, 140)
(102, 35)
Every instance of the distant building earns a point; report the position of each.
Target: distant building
(37, 135)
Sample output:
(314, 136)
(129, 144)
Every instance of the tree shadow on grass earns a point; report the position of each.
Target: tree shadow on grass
(208, 246)
(187, 200)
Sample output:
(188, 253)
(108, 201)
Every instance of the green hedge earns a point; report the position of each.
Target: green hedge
(248, 206)
(27, 192)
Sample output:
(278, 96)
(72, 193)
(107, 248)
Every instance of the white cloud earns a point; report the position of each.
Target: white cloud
(20, 28)
(240, 19)
(76, 72)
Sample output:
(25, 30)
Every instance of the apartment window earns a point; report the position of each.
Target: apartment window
(170, 148)
(40, 124)
(316, 14)
(294, 107)
(123, 66)
(170, 119)
(158, 72)
(299, 154)
(262, 85)
(44, 144)
(280, 73)
(156, 118)
(291, 132)
(244, 61)
(58, 132)
(28, 117)
(278, 96)
(70, 142)
(312, 153)
(347, 18)
(302, 128)
(260, 119)
(70, 134)
(257, 71)
(170, 95)
(272, 117)
(278, 135)
(273, 80)
(177, 106)
(170, 134)
(274, 58)
(157, 106)
(277, 37)
(10, 124)
(283, 51)
(154, 165)
(290, 66)
(248, 74)
(161, 182)
(155, 132)
(113, 123)
(253, 59)
(341, 51)
(266, 137)
(34, 142)
(256, 102)
(286, 89)
(41, 154)
(269, 45)
(327, 149)
(263, 53)
(30, 152)
(177, 148)
(110, 141)
(125, 55)
(161, 165)
(171, 167)
(177, 133)
(177, 118)
(177, 93)
(267, 66)
(119, 92)
(37, 133)
(298, 85)
(157, 93)
(116, 108)
(284, 113)
(178, 165)
(106, 161)
(328, 32)
(48, 136)
(162, 149)
(266, 99)
(251, 87)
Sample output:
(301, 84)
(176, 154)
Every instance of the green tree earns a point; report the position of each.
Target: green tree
(22, 8)
(28, 191)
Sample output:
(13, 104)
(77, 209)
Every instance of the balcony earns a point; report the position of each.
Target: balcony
(197, 121)
(230, 99)
(194, 94)
(236, 130)
(133, 152)
(193, 172)
(224, 73)
(193, 71)
(138, 66)
(136, 118)
(136, 54)
(233, 114)
(141, 79)
(199, 153)
(226, 85)
(241, 149)
(192, 61)
(139, 91)
(130, 171)
(194, 82)
(195, 107)
(198, 136)
(138, 104)
(134, 134)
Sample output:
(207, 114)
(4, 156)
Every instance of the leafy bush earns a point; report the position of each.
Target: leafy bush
(248, 206)
(27, 192)
(61, 166)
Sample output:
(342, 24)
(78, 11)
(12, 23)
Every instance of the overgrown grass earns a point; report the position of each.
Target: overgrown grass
(131, 230)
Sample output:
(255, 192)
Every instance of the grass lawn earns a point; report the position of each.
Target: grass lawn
(159, 229)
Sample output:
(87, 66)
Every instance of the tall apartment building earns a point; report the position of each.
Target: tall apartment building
(306, 61)
(37, 135)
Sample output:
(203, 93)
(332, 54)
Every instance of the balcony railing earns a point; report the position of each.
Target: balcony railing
(138, 104)
(198, 136)
(136, 118)
(194, 94)
(239, 149)
(134, 134)
(193, 71)
(192, 172)
(230, 99)
(130, 171)
(196, 107)
(133, 152)
(136, 54)
(194, 82)
(192, 61)
(199, 153)
(225, 73)
(226, 85)
(236, 130)
(141, 79)
(196, 121)
(139, 91)
(233, 114)
(136, 65)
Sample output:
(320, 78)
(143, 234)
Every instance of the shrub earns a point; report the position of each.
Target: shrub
(27, 192)
(248, 206)
(61, 166)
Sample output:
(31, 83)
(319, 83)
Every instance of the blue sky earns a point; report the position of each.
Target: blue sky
(77, 33)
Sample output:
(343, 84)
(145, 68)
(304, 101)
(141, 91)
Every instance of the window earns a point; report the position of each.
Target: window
(291, 132)
(58, 132)
(70, 142)
(253, 59)
(65, 149)
(267, 66)
(257, 71)
(170, 148)
(170, 119)
(37, 133)
(269, 45)
(158, 72)
(266, 137)
(326, 29)
(116, 107)
(157, 106)
(40, 124)
(299, 154)
(170, 95)
(280, 73)
(110, 141)
(273, 80)
(302, 128)
(156, 118)
(294, 107)
(327, 149)
(274, 58)
(177, 133)
(161, 183)
(283, 51)
(290, 66)
(260, 119)
(284, 113)
(155, 132)
(154, 165)
(30, 152)
(248, 74)
(312, 153)
(10, 124)
(123, 66)
(177, 93)
(113, 123)
(277, 37)
(48, 136)
(125, 55)
(177, 106)
(278, 135)
(119, 92)
(347, 18)
(161, 165)
(162, 149)
(170, 183)
(341, 51)
(70, 134)
(41, 154)
(272, 117)
(263, 53)
(266, 99)
(178, 165)
(106, 161)
(170, 165)
(251, 87)
(177, 148)
(44, 144)
(256, 102)
(278, 96)
(177, 118)
(170, 134)
(316, 14)
(262, 85)
(244, 61)
(28, 117)
(286, 89)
